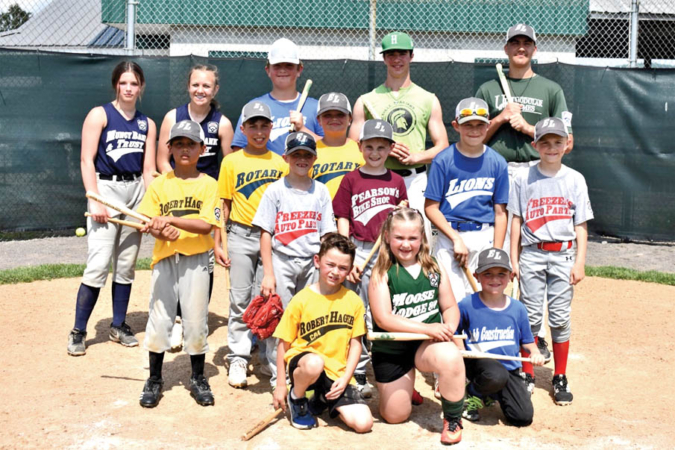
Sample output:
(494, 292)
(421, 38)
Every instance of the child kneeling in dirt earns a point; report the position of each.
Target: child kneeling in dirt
(320, 342)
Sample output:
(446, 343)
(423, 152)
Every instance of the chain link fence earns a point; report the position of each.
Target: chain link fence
(637, 33)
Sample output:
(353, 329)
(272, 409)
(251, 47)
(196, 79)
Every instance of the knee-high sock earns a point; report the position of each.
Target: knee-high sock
(561, 351)
(197, 362)
(528, 367)
(86, 300)
(120, 301)
(156, 360)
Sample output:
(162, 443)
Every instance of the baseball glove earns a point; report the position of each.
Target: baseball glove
(263, 315)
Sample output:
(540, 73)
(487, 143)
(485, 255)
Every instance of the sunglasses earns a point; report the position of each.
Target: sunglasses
(468, 112)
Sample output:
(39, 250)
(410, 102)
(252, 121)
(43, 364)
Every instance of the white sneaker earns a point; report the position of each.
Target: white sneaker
(236, 376)
(437, 390)
(177, 335)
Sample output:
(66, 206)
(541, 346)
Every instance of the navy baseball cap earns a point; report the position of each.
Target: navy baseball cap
(521, 30)
(493, 257)
(377, 128)
(300, 141)
(550, 125)
(186, 128)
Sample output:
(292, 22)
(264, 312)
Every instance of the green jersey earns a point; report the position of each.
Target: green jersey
(413, 298)
(540, 97)
(408, 111)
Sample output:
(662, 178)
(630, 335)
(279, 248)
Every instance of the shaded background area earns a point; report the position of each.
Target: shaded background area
(622, 124)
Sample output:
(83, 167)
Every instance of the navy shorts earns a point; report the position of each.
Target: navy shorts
(388, 367)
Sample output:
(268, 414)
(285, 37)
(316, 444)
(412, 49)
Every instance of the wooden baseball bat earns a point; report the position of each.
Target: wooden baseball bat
(261, 425)
(484, 355)
(514, 285)
(136, 225)
(376, 247)
(223, 241)
(469, 277)
(121, 208)
(504, 83)
(380, 336)
(370, 108)
(303, 97)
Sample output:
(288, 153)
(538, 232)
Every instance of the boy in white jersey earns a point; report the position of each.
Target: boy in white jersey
(293, 215)
(550, 207)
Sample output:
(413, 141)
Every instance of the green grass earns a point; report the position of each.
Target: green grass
(621, 273)
(51, 272)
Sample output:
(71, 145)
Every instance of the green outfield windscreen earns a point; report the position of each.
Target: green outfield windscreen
(623, 125)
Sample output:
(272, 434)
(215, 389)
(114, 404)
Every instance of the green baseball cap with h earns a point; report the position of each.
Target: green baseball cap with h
(396, 41)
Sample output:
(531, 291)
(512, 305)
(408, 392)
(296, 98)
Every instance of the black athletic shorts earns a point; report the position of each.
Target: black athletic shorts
(390, 368)
(350, 396)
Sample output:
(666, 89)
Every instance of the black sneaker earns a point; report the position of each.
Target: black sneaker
(201, 391)
(542, 345)
(365, 388)
(561, 391)
(152, 392)
(76, 345)
(529, 381)
(123, 335)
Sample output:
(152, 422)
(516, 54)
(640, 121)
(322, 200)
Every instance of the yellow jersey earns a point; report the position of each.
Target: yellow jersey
(333, 163)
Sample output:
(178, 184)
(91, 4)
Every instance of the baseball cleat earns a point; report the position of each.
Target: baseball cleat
(123, 335)
(177, 335)
(452, 431)
(561, 390)
(529, 381)
(437, 389)
(301, 418)
(236, 376)
(201, 391)
(542, 345)
(76, 345)
(417, 398)
(472, 404)
(152, 392)
(365, 388)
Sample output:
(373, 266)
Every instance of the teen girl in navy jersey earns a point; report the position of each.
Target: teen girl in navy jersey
(117, 162)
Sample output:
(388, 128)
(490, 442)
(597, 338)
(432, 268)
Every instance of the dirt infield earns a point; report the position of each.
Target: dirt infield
(620, 372)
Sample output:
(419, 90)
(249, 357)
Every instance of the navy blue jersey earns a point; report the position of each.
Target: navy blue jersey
(208, 161)
(468, 188)
(122, 143)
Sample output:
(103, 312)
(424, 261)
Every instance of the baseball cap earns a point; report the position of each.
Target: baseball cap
(334, 101)
(396, 41)
(472, 108)
(376, 128)
(186, 128)
(254, 110)
(550, 125)
(300, 141)
(521, 30)
(284, 51)
(493, 257)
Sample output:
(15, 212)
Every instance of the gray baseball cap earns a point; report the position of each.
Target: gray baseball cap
(550, 125)
(521, 30)
(493, 257)
(376, 128)
(255, 109)
(334, 101)
(472, 108)
(300, 141)
(186, 128)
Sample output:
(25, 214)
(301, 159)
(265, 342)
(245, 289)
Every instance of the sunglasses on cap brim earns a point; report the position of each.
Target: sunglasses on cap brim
(468, 112)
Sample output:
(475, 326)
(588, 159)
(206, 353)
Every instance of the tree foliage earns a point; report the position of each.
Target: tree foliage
(13, 18)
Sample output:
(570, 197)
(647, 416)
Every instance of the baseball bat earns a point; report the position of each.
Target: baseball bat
(121, 208)
(514, 285)
(376, 247)
(223, 241)
(380, 336)
(136, 225)
(484, 355)
(370, 109)
(469, 277)
(261, 425)
(504, 83)
(303, 97)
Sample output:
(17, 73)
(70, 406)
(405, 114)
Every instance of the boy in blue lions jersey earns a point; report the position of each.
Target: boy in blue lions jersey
(496, 323)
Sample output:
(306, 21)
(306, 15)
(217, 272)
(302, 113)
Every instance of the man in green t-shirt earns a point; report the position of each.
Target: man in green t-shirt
(411, 111)
(511, 131)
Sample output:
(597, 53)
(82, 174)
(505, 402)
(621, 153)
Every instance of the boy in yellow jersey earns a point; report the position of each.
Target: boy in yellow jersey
(337, 154)
(320, 340)
(244, 177)
(184, 209)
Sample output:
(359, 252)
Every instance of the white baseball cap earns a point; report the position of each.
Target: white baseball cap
(284, 51)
